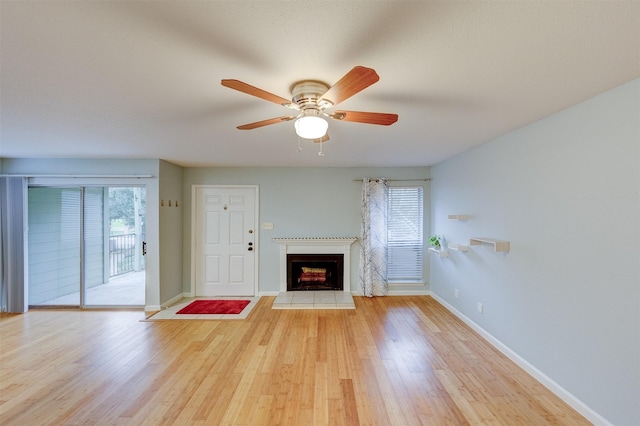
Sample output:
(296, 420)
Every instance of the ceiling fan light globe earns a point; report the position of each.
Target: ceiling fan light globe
(311, 127)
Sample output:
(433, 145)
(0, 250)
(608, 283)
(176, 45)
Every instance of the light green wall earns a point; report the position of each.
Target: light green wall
(300, 202)
(171, 218)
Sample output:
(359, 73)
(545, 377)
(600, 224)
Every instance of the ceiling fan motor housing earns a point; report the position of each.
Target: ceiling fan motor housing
(306, 94)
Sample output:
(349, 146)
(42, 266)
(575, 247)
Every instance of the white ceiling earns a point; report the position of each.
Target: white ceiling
(140, 79)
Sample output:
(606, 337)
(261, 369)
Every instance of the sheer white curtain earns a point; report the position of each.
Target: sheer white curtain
(13, 243)
(373, 239)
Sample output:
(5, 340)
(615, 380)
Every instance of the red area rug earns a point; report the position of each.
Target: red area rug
(214, 307)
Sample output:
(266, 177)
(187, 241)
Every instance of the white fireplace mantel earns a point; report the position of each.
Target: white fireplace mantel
(320, 245)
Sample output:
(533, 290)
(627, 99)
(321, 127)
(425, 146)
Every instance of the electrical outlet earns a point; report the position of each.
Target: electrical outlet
(267, 225)
(456, 294)
(480, 307)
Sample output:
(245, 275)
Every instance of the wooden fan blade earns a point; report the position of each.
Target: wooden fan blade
(322, 139)
(265, 122)
(365, 117)
(354, 81)
(254, 91)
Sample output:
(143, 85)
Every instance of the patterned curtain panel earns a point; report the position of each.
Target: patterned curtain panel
(373, 242)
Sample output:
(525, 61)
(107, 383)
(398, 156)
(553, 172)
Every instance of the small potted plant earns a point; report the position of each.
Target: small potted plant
(434, 240)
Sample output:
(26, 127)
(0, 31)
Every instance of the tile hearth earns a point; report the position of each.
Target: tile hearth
(314, 300)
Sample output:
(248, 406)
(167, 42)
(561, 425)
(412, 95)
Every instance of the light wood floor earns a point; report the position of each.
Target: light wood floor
(391, 361)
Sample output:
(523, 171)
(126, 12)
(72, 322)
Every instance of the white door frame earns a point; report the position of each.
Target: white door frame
(256, 191)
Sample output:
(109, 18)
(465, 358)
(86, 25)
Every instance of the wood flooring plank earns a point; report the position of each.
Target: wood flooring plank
(349, 401)
(233, 414)
(321, 395)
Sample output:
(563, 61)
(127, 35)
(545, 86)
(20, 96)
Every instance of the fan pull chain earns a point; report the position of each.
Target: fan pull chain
(321, 154)
(299, 146)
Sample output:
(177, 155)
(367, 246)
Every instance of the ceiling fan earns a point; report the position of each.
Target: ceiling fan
(311, 98)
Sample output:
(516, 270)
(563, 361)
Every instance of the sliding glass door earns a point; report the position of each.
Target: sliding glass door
(85, 246)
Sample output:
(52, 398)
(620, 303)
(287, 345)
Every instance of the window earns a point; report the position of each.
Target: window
(404, 234)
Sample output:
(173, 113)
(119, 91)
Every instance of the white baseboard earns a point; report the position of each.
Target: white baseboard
(420, 292)
(398, 293)
(175, 299)
(545, 380)
(268, 293)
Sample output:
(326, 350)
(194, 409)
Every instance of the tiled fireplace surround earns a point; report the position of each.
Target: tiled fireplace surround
(315, 299)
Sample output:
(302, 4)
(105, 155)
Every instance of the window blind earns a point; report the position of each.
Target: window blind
(404, 234)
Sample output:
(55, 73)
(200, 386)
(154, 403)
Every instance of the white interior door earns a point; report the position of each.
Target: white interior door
(225, 241)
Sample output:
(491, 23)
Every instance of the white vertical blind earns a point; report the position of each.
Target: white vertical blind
(404, 234)
(12, 244)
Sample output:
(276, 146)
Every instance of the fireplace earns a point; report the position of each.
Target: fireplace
(315, 272)
(321, 272)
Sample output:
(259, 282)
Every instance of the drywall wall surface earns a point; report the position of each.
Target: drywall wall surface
(301, 202)
(170, 230)
(566, 297)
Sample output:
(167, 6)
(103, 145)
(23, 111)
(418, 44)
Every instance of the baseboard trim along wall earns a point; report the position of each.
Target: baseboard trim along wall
(393, 292)
(357, 293)
(554, 387)
(168, 303)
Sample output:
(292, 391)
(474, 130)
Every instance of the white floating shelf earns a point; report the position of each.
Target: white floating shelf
(459, 216)
(498, 245)
(458, 247)
(441, 253)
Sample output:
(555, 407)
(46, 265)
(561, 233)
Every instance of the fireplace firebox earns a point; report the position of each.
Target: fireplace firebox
(314, 246)
(315, 272)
